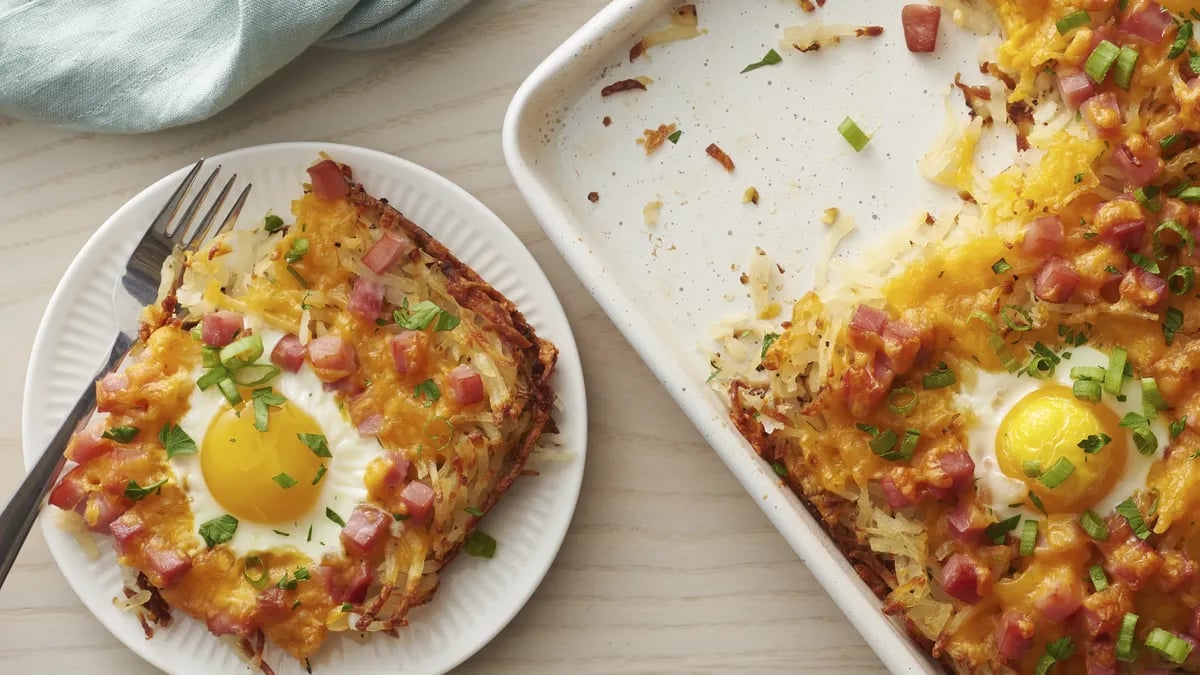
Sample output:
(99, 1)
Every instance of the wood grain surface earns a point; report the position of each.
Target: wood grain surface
(669, 565)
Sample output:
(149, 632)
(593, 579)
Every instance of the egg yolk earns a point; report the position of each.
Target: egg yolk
(262, 476)
(1047, 426)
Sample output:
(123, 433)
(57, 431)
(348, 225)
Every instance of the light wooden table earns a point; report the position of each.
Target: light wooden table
(669, 565)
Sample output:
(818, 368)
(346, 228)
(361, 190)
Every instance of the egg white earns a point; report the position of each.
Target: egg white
(341, 489)
(987, 397)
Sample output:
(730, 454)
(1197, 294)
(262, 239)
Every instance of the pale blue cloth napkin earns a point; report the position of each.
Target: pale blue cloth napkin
(141, 65)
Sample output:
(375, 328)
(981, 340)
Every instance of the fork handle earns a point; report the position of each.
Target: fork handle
(17, 519)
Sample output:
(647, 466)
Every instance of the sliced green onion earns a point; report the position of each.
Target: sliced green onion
(1171, 646)
(1152, 400)
(908, 445)
(902, 401)
(1125, 637)
(230, 391)
(1172, 323)
(1095, 526)
(987, 320)
(779, 469)
(439, 432)
(1177, 427)
(1037, 502)
(1148, 264)
(1099, 579)
(242, 352)
(1167, 141)
(1057, 474)
(1032, 468)
(1087, 390)
(1059, 650)
(1114, 377)
(1014, 313)
(853, 135)
(1000, 349)
(1130, 512)
(1072, 21)
(1181, 280)
(1126, 61)
(1090, 373)
(1189, 194)
(210, 357)
(1181, 40)
(884, 443)
(255, 572)
(1148, 197)
(1029, 533)
(1101, 60)
(254, 374)
(1179, 230)
(940, 377)
(1094, 443)
(272, 223)
(996, 532)
(1001, 266)
(1145, 440)
(212, 377)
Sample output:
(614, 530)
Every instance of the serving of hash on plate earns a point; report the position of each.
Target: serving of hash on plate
(1000, 427)
(310, 427)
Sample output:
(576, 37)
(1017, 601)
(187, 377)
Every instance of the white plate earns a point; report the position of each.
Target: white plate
(666, 286)
(477, 597)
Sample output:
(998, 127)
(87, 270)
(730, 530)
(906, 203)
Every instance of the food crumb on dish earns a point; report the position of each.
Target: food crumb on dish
(829, 216)
(684, 26)
(631, 84)
(722, 158)
(593, 197)
(607, 121)
(652, 139)
(650, 212)
(750, 196)
(814, 35)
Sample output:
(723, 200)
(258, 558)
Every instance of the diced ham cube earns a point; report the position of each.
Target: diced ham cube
(417, 498)
(348, 584)
(1178, 571)
(1056, 281)
(288, 353)
(920, 27)
(102, 509)
(366, 298)
(1014, 635)
(863, 387)
(895, 498)
(963, 578)
(1178, 211)
(866, 327)
(386, 252)
(1059, 597)
(332, 358)
(366, 529)
(273, 604)
(370, 425)
(1143, 288)
(1133, 561)
(967, 522)
(87, 443)
(901, 344)
(1103, 611)
(1126, 235)
(1138, 160)
(109, 390)
(220, 328)
(328, 181)
(1043, 236)
(1101, 658)
(70, 491)
(1075, 86)
(409, 351)
(958, 465)
(466, 384)
(164, 568)
(397, 472)
(124, 529)
(349, 386)
(1149, 23)
(225, 623)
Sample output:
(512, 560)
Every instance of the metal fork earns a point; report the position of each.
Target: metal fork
(137, 288)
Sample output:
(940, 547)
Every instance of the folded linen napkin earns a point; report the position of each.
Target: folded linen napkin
(142, 65)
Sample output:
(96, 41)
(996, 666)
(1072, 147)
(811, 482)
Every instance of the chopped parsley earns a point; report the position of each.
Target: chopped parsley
(137, 492)
(772, 57)
(1093, 443)
(429, 391)
(420, 315)
(298, 250)
(674, 138)
(332, 515)
(320, 474)
(480, 545)
(316, 443)
(120, 434)
(218, 530)
(285, 481)
(768, 340)
(176, 441)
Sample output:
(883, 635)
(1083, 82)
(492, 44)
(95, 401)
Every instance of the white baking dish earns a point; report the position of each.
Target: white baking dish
(665, 285)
